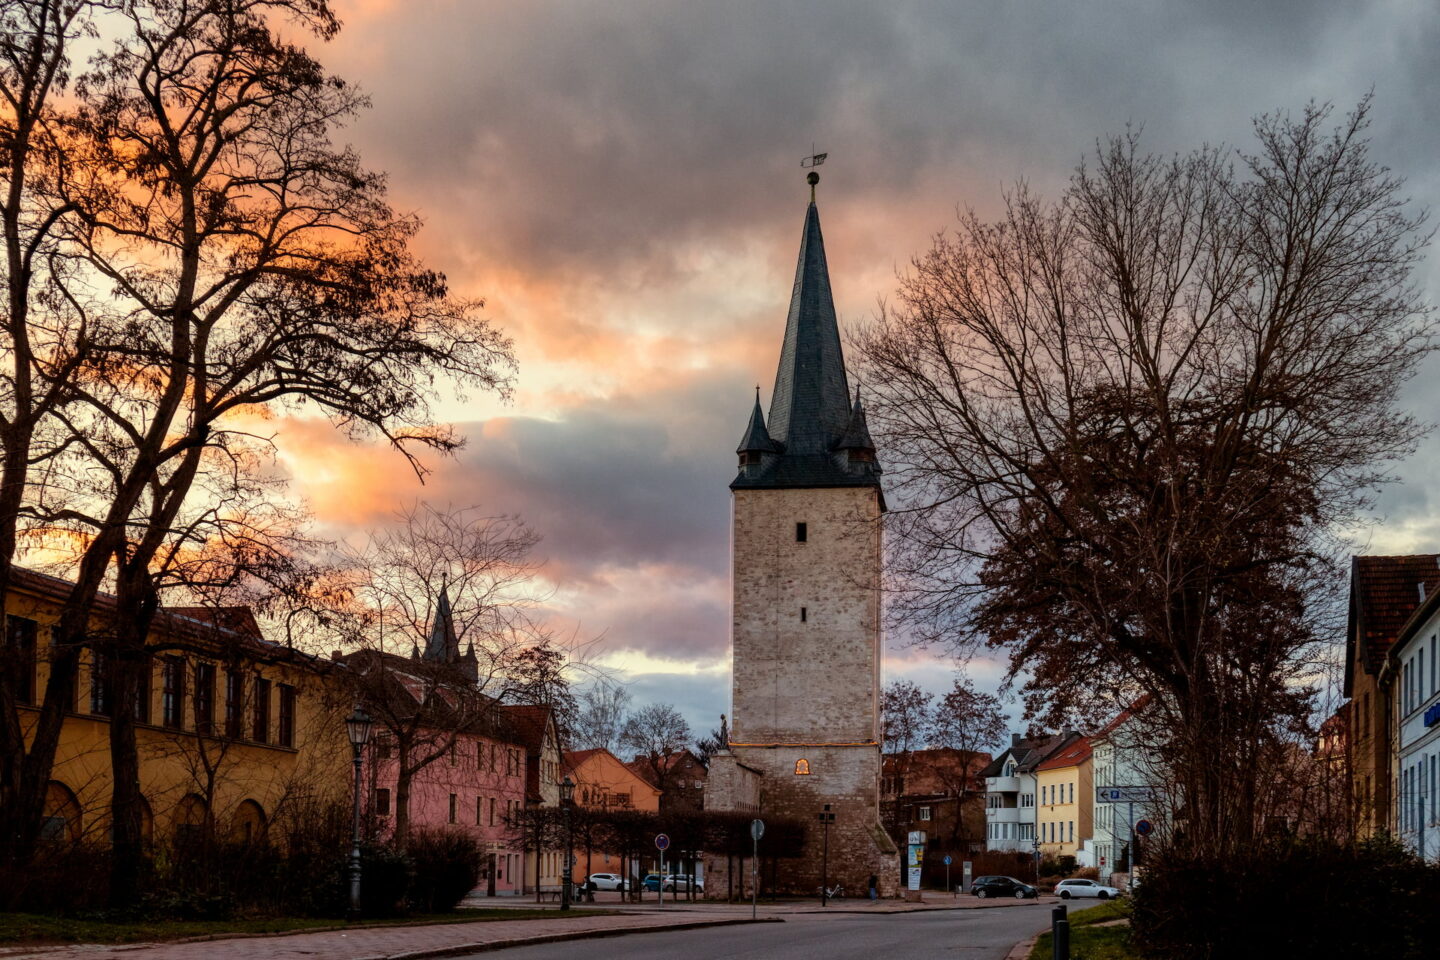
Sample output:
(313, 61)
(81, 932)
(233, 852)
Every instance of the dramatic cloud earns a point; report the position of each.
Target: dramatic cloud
(621, 181)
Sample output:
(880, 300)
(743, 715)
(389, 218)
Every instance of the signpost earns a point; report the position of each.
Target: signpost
(757, 830)
(662, 843)
(1129, 796)
(966, 869)
(826, 818)
(947, 875)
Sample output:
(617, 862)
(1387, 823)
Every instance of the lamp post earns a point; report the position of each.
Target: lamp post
(826, 818)
(567, 797)
(358, 727)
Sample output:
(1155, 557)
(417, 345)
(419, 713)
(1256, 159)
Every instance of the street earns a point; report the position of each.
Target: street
(983, 934)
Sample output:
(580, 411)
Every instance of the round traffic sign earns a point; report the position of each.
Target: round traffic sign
(757, 829)
(1144, 827)
(661, 841)
(947, 859)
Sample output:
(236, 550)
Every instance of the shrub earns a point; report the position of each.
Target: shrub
(447, 867)
(64, 878)
(1307, 898)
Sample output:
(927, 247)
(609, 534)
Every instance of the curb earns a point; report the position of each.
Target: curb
(487, 946)
(1021, 950)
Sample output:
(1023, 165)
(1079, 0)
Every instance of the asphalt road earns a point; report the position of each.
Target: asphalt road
(985, 934)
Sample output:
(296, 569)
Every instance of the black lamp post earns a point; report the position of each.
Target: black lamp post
(567, 798)
(826, 818)
(358, 727)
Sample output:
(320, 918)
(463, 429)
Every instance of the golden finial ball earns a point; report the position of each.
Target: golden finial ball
(812, 178)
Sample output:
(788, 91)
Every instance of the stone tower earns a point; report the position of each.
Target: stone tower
(806, 566)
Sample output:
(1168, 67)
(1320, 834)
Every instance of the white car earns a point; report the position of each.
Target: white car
(676, 881)
(608, 881)
(1066, 889)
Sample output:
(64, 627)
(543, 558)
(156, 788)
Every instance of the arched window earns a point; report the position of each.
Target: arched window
(802, 767)
(62, 814)
(190, 816)
(248, 825)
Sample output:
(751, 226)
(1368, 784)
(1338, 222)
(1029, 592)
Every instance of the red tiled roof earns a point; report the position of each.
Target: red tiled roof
(1072, 754)
(1384, 592)
(529, 721)
(1122, 716)
(236, 619)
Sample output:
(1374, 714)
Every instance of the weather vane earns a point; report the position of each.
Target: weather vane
(814, 160)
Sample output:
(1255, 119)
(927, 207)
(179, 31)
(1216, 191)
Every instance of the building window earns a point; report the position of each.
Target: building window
(141, 690)
(20, 656)
(802, 533)
(287, 715)
(99, 702)
(924, 813)
(260, 722)
(492, 811)
(204, 698)
(172, 695)
(802, 614)
(382, 802)
(234, 704)
(802, 767)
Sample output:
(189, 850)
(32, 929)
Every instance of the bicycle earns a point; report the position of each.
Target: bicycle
(832, 893)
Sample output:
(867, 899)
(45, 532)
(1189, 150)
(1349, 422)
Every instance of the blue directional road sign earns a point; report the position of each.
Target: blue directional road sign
(947, 859)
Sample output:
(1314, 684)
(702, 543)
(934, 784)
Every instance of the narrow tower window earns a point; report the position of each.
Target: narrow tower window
(801, 533)
(802, 767)
(802, 614)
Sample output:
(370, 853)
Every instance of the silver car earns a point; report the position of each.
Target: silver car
(1066, 889)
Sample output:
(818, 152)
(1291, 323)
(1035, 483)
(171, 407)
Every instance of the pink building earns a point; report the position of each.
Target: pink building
(470, 756)
(476, 785)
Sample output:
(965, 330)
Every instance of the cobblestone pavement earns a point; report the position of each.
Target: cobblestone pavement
(396, 943)
(375, 943)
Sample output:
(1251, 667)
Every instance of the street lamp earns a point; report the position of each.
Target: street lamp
(358, 727)
(567, 798)
(826, 818)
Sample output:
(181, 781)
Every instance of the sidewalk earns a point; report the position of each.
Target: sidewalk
(933, 901)
(388, 943)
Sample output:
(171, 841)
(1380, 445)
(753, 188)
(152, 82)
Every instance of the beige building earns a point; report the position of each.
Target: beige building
(806, 566)
(1065, 800)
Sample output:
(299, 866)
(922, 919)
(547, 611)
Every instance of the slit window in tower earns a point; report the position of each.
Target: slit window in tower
(802, 614)
(802, 767)
(802, 533)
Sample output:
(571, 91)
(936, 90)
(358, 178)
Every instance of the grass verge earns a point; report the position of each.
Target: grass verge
(36, 929)
(1091, 942)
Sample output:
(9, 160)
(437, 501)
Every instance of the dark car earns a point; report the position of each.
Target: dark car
(984, 887)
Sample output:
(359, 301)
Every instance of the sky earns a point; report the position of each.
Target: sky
(621, 182)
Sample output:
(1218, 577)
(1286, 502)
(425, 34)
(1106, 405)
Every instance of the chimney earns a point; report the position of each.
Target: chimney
(1421, 585)
(336, 654)
(1014, 740)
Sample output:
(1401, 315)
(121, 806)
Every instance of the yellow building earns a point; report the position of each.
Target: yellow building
(234, 733)
(1065, 800)
(603, 782)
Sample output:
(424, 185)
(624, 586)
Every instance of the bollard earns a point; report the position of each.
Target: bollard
(1062, 940)
(1057, 913)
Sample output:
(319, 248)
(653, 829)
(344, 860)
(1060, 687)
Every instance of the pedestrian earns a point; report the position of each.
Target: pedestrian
(874, 888)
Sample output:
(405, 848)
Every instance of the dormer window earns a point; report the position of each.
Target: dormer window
(749, 458)
(1010, 769)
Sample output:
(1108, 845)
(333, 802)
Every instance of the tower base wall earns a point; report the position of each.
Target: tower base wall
(845, 777)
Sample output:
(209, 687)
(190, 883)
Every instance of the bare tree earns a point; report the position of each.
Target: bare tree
(1128, 427)
(600, 717)
(441, 622)
(225, 260)
(656, 734)
(971, 723)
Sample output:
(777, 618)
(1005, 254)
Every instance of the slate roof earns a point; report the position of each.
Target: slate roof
(1029, 753)
(443, 644)
(810, 411)
(1384, 593)
(757, 438)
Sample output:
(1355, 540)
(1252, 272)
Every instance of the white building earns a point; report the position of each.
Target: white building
(1121, 759)
(1416, 696)
(1010, 788)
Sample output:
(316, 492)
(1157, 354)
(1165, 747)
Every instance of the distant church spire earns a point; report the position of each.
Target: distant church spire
(443, 644)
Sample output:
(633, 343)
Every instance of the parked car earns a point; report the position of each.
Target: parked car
(680, 882)
(651, 882)
(984, 887)
(1084, 888)
(608, 881)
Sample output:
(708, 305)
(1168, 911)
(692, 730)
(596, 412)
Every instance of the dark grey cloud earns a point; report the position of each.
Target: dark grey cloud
(619, 150)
